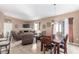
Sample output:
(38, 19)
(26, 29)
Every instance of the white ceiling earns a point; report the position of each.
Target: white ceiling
(36, 11)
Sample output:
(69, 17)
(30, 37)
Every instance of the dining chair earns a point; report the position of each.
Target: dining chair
(63, 44)
(46, 44)
(5, 44)
(43, 33)
(1, 35)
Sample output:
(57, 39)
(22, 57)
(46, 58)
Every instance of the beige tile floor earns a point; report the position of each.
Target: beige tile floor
(17, 48)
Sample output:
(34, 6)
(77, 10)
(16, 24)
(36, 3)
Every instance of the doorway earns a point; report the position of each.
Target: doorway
(7, 28)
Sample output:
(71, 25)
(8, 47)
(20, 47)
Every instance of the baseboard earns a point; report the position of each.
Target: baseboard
(76, 44)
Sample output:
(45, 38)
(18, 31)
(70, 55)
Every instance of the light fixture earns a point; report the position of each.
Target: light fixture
(53, 21)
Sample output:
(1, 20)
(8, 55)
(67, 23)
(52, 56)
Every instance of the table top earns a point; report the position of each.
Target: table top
(58, 41)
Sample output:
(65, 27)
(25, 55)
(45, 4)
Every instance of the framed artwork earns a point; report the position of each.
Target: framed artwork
(7, 20)
(44, 26)
(17, 26)
(48, 24)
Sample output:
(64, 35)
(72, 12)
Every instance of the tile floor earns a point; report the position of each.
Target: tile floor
(17, 48)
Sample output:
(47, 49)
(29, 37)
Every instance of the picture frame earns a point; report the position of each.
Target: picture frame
(44, 26)
(48, 24)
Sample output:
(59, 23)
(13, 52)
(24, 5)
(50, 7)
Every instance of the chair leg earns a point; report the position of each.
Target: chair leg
(8, 52)
(65, 50)
(51, 51)
(0, 50)
(44, 50)
(41, 46)
(55, 49)
(6, 48)
(9, 49)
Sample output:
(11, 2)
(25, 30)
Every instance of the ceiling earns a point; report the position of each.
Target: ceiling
(36, 11)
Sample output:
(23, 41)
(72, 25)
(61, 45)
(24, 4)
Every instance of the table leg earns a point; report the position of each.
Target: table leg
(41, 46)
(58, 48)
(36, 40)
(0, 50)
(55, 49)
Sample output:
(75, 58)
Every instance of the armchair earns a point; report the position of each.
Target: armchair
(16, 36)
(5, 43)
(27, 38)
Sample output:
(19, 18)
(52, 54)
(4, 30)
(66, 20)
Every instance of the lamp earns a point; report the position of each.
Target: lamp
(53, 22)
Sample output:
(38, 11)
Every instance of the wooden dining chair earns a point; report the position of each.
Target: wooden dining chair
(6, 44)
(42, 42)
(1, 35)
(46, 44)
(63, 44)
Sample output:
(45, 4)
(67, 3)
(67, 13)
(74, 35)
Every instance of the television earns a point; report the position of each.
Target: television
(26, 26)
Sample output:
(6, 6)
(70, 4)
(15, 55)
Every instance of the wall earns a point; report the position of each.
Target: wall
(14, 21)
(42, 22)
(75, 15)
(48, 30)
(1, 22)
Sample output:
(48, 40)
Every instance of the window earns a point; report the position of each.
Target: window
(61, 27)
(7, 28)
(57, 27)
(66, 26)
(36, 26)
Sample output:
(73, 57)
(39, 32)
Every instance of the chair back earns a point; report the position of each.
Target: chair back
(65, 39)
(58, 35)
(43, 33)
(46, 40)
(1, 35)
(9, 36)
(53, 36)
(14, 34)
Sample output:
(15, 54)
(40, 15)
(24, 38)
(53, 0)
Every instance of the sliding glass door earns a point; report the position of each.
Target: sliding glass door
(61, 26)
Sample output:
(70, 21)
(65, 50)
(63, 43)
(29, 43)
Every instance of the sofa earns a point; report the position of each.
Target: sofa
(16, 36)
(27, 38)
